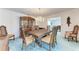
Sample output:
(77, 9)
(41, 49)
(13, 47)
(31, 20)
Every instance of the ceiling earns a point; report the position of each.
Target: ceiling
(39, 11)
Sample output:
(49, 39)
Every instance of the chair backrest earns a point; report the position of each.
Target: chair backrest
(53, 35)
(59, 28)
(54, 30)
(3, 31)
(0, 33)
(75, 30)
(51, 38)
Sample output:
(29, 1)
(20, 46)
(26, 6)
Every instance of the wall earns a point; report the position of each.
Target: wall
(11, 20)
(74, 15)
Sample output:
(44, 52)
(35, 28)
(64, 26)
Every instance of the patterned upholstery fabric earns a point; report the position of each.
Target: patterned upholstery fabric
(3, 30)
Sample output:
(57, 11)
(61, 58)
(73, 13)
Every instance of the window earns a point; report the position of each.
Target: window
(54, 22)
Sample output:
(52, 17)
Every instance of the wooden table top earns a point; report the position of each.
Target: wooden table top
(39, 32)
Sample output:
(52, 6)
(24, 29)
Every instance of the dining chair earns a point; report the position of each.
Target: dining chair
(50, 39)
(28, 40)
(3, 32)
(72, 34)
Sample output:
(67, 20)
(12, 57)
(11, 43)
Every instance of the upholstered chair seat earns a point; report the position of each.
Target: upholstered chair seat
(73, 35)
(67, 33)
(46, 39)
(29, 40)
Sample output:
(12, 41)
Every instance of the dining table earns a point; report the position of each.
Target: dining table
(38, 34)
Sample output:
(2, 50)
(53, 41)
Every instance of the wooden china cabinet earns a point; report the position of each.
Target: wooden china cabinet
(26, 24)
